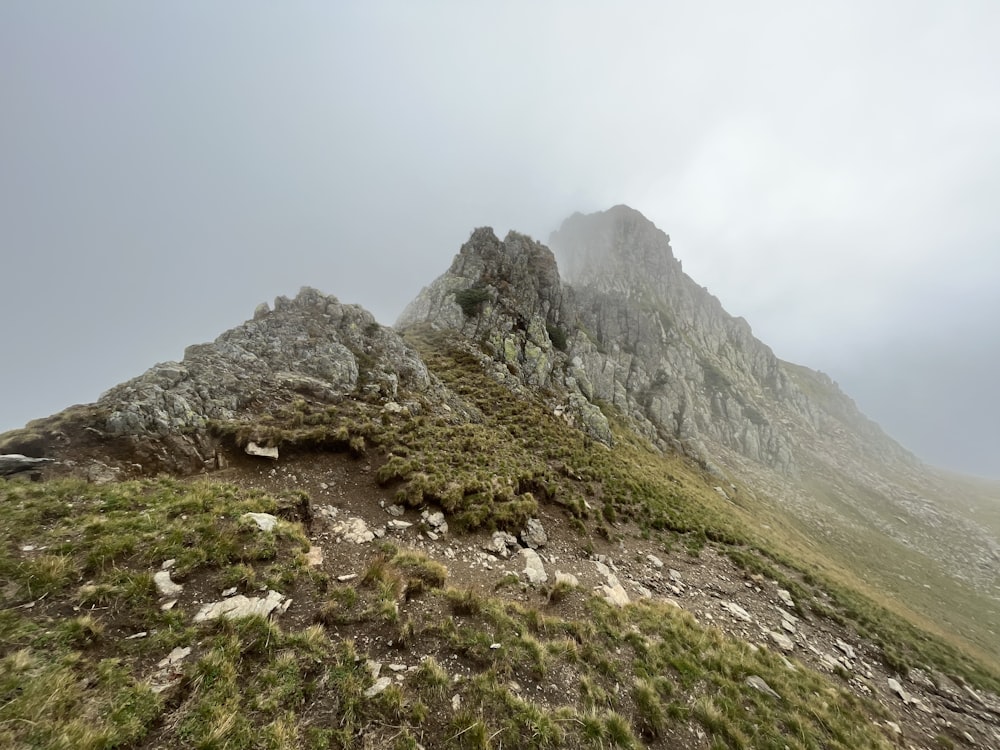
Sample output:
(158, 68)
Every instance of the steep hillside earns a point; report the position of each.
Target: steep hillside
(540, 513)
(634, 332)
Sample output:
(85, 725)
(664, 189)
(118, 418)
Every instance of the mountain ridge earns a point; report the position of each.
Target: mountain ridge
(625, 409)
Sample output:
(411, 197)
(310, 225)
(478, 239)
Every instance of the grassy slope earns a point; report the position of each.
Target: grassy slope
(648, 674)
(906, 579)
(68, 679)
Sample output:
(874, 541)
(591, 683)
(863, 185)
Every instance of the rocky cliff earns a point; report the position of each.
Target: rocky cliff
(631, 330)
(625, 331)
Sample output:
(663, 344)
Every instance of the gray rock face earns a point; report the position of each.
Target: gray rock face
(508, 295)
(661, 348)
(626, 326)
(312, 345)
(781, 640)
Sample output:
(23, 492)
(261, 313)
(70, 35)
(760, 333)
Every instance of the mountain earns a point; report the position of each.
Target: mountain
(566, 499)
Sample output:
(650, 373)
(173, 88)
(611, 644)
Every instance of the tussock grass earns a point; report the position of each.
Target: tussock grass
(613, 678)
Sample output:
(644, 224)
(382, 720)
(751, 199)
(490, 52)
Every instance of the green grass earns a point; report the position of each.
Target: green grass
(82, 557)
(621, 677)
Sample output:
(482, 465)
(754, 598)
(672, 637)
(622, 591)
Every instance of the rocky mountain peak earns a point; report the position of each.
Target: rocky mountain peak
(615, 250)
(517, 273)
(632, 331)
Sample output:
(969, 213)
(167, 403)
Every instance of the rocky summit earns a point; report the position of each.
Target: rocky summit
(568, 500)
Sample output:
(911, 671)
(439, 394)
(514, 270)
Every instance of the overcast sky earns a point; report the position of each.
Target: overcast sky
(831, 173)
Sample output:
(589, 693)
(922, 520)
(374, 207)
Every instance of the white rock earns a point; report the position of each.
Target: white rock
(434, 520)
(253, 449)
(347, 577)
(168, 564)
(136, 636)
(354, 530)
(781, 640)
(615, 595)
(229, 592)
(380, 685)
(566, 578)
(456, 702)
(178, 654)
(396, 525)
(264, 521)
(895, 687)
(654, 561)
(164, 585)
(168, 605)
(533, 568)
(845, 648)
(240, 606)
(786, 598)
(829, 662)
(737, 611)
(759, 685)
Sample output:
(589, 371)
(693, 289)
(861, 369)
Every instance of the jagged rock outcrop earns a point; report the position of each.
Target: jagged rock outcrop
(311, 347)
(634, 332)
(661, 348)
(627, 327)
(507, 297)
(311, 344)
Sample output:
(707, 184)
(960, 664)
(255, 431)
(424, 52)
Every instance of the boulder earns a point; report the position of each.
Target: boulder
(534, 535)
(164, 585)
(240, 606)
(261, 451)
(264, 521)
(534, 571)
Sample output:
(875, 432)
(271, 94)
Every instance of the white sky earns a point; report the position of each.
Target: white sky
(830, 171)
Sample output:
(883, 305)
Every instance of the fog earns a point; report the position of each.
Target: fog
(831, 174)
